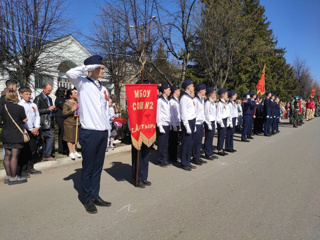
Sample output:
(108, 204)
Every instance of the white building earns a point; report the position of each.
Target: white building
(59, 56)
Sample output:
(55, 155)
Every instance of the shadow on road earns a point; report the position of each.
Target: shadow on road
(76, 178)
(120, 172)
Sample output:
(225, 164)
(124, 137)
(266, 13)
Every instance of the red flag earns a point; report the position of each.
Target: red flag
(261, 83)
(300, 107)
(142, 111)
(318, 98)
(313, 91)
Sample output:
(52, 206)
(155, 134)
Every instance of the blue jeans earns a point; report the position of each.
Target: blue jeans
(48, 140)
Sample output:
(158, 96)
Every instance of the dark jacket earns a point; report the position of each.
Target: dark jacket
(46, 121)
(267, 107)
(2, 102)
(10, 133)
(59, 104)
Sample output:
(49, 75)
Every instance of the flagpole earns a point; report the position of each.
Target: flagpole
(137, 168)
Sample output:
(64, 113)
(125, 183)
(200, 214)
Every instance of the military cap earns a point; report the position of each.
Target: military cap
(95, 59)
(186, 83)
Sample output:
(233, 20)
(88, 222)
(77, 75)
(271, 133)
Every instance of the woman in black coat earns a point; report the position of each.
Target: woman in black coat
(11, 137)
(60, 100)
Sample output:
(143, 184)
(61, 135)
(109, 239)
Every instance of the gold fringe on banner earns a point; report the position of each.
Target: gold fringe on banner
(144, 139)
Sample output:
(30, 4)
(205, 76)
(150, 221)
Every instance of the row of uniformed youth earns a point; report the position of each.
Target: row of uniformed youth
(194, 115)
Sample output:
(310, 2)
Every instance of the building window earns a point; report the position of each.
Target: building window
(42, 79)
(64, 82)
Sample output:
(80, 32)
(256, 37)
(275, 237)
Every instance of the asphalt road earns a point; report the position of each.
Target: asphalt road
(269, 189)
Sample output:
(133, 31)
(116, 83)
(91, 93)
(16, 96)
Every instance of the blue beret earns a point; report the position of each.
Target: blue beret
(246, 94)
(231, 93)
(164, 86)
(95, 59)
(267, 92)
(222, 91)
(300, 98)
(200, 87)
(147, 81)
(210, 90)
(252, 94)
(186, 83)
(173, 88)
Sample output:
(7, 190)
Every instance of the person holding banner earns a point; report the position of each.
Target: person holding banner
(143, 168)
(174, 123)
(188, 122)
(198, 135)
(163, 125)
(93, 136)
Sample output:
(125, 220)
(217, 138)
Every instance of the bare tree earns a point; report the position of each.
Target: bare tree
(177, 29)
(25, 30)
(126, 37)
(305, 80)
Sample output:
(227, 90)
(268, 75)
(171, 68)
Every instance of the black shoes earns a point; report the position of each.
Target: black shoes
(90, 207)
(192, 167)
(25, 175)
(222, 153)
(231, 150)
(245, 140)
(211, 158)
(33, 171)
(141, 184)
(147, 183)
(250, 137)
(202, 161)
(99, 202)
(186, 168)
(196, 161)
(16, 180)
(163, 164)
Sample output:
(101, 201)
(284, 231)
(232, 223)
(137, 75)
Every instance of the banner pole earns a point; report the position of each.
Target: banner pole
(137, 167)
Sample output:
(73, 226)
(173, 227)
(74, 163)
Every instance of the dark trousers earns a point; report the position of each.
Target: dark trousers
(143, 162)
(26, 161)
(173, 145)
(250, 126)
(246, 126)
(277, 124)
(187, 143)
(48, 142)
(266, 126)
(197, 142)
(93, 147)
(271, 125)
(221, 134)
(208, 141)
(62, 145)
(163, 142)
(230, 134)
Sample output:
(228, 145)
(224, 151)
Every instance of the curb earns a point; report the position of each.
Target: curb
(66, 160)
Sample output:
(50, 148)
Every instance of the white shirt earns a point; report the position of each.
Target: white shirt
(93, 105)
(32, 114)
(210, 111)
(174, 112)
(199, 108)
(233, 109)
(187, 110)
(111, 113)
(163, 112)
(223, 112)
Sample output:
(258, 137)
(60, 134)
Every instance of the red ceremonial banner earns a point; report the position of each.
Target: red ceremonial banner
(300, 106)
(313, 91)
(142, 112)
(261, 83)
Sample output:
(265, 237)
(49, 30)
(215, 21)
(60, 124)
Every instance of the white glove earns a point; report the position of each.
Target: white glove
(188, 130)
(195, 128)
(267, 116)
(209, 127)
(175, 128)
(161, 129)
(237, 122)
(254, 116)
(89, 68)
(248, 96)
(221, 125)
